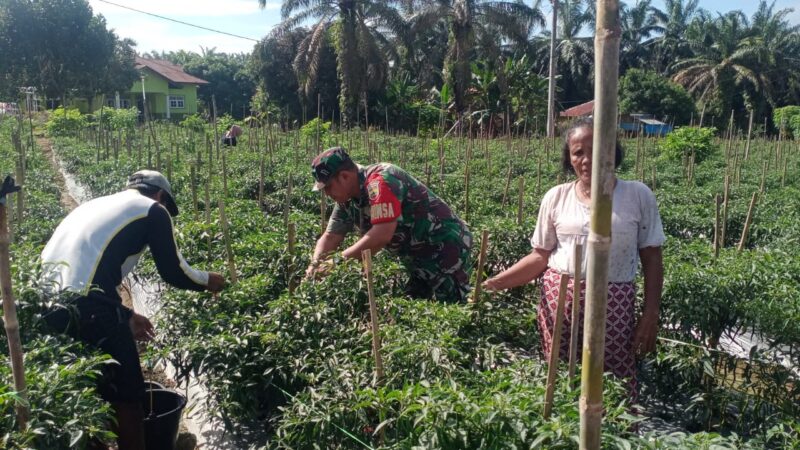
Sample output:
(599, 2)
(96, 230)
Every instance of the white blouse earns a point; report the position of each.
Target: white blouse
(564, 222)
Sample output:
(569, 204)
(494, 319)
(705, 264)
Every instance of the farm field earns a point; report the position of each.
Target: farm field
(289, 363)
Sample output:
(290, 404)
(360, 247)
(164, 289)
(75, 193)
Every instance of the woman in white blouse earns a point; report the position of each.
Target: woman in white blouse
(564, 222)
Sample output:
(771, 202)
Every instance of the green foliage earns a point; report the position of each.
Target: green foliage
(687, 141)
(64, 122)
(787, 119)
(309, 130)
(117, 119)
(194, 122)
(648, 92)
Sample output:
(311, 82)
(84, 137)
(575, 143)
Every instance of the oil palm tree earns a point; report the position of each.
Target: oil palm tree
(574, 52)
(469, 21)
(725, 62)
(639, 23)
(362, 42)
(672, 22)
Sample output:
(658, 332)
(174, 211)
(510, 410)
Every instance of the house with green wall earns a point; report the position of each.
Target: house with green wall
(170, 92)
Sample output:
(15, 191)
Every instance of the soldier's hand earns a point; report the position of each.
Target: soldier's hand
(216, 282)
(141, 328)
(318, 268)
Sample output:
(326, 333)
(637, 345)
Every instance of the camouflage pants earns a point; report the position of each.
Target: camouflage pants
(445, 275)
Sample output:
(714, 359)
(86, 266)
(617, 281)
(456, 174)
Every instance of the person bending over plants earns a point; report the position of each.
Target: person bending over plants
(394, 211)
(230, 138)
(562, 224)
(89, 254)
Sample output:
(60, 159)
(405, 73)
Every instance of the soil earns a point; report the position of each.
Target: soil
(186, 440)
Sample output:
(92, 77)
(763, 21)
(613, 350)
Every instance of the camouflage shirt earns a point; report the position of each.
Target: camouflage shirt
(424, 222)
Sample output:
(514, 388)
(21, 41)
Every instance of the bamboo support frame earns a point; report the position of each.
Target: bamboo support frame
(555, 347)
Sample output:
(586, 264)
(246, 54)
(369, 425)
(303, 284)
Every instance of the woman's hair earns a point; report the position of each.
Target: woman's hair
(584, 122)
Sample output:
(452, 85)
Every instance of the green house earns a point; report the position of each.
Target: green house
(170, 92)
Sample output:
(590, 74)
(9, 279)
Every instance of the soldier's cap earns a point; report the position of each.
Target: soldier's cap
(327, 164)
(155, 179)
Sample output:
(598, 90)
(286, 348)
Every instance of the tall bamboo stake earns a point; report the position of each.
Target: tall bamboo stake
(551, 84)
(476, 294)
(717, 225)
(725, 201)
(366, 257)
(606, 44)
(227, 236)
(555, 347)
(291, 237)
(10, 310)
(748, 221)
(521, 200)
(749, 135)
(576, 310)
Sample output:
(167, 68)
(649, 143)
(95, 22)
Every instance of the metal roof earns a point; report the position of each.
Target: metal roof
(166, 69)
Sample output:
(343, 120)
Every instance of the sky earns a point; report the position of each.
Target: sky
(244, 18)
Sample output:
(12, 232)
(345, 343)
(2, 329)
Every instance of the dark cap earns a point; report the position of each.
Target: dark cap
(327, 164)
(155, 179)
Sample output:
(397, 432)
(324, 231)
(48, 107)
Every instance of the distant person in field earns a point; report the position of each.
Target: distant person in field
(231, 135)
(89, 254)
(636, 235)
(392, 210)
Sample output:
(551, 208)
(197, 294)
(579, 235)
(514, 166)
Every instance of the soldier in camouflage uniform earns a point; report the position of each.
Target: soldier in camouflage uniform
(393, 210)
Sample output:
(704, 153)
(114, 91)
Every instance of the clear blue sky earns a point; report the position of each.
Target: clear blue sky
(244, 18)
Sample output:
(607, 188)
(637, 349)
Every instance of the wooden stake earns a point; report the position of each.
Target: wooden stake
(366, 258)
(749, 135)
(552, 367)
(747, 222)
(725, 199)
(717, 225)
(226, 235)
(291, 236)
(521, 200)
(193, 182)
(323, 209)
(10, 310)
(476, 294)
(576, 311)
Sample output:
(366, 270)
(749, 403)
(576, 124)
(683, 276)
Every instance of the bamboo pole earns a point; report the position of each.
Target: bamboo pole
(227, 236)
(476, 294)
(551, 83)
(717, 225)
(291, 238)
(323, 207)
(555, 347)
(193, 182)
(725, 201)
(606, 44)
(749, 136)
(10, 310)
(520, 200)
(576, 311)
(747, 222)
(366, 257)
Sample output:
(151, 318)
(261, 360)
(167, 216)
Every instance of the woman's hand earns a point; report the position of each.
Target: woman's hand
(644, 334)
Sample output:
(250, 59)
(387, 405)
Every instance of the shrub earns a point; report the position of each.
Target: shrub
(194, 122)
(787, 119)
(63, 122)
(687, 140)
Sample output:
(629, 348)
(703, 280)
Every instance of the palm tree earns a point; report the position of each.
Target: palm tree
(361, 41)
(639, 23)
(471, 21)
(574, 52)
(781, 47)
(725, 62)
(672, 23)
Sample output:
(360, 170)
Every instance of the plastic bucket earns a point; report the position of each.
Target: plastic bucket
(162, 421)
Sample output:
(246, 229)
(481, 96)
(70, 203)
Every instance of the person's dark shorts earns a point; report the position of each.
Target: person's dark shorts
(103, 324)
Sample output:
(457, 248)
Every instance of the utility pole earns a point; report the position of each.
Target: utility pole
(551, 85)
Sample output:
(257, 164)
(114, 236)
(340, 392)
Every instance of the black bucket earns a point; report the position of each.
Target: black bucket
(161, 426)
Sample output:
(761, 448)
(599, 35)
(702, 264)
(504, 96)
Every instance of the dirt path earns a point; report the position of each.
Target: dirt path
(67, 201)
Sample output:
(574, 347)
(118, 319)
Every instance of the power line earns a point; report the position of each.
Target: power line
(179, 21)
